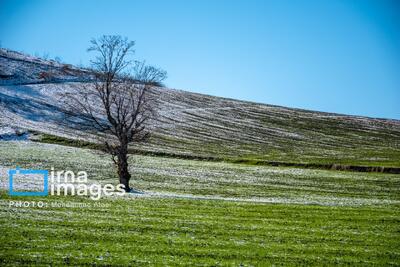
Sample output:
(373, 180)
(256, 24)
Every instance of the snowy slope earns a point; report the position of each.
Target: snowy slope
(18, 68)
(202, 125)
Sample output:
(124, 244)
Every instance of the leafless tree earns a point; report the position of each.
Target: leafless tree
(117, 105)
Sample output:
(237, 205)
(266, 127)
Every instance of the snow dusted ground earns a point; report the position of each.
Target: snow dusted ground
(161, 177)
(201, 125)
(323, 201)
(13, 134)
(18, 68)
(195, 124)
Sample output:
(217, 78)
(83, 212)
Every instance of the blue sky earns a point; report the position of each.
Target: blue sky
(336, 56)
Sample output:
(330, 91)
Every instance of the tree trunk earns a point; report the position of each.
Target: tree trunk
(122, 164)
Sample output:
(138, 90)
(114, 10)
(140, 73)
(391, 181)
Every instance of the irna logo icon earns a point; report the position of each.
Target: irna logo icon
(12, 177)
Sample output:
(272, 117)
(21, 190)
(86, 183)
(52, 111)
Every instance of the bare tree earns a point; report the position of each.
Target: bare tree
(117, 105)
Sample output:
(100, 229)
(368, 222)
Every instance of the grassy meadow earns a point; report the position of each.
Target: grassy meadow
(200, 213)
(157, 231)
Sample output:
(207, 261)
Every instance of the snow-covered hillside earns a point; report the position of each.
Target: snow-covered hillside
(18, 68)
(202, 125)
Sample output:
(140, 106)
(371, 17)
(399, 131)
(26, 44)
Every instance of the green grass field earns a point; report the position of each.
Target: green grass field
(198, 232)
(201, 213)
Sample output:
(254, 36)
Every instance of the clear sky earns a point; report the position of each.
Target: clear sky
(337, 56)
